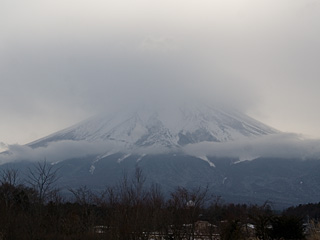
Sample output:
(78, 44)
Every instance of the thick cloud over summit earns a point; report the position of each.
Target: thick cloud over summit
(62, 61)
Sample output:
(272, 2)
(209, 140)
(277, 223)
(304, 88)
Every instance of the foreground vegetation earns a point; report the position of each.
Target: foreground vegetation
(131, 211)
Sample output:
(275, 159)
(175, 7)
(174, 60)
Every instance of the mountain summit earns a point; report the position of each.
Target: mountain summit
(170, 128)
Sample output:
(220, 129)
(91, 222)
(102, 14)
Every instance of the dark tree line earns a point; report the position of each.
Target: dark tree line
(307, 211)
(130, 210)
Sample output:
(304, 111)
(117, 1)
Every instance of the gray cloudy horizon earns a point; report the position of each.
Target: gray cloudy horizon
(62, 61)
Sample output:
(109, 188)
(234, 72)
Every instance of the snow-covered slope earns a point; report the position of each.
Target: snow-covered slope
(170, 127)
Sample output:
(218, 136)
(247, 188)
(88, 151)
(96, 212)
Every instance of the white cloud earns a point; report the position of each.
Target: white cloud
(282, 145)
(61, 61)
(55, 151)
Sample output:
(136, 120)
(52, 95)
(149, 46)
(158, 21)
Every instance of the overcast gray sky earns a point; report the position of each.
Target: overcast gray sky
(63, 60)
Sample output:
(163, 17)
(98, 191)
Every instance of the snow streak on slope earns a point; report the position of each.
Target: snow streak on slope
(169, 128)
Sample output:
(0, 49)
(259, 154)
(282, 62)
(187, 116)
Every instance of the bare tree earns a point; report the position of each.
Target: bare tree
(185, 207)
(42, 178)
(9, 176)
(83, 195)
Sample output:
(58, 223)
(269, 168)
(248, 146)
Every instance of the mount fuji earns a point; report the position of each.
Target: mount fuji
(155, 139)
(163, 128)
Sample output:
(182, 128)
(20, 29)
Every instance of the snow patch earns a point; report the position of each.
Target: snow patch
(103, 156)
(92, 168)
(243, 159)
(124, 157)
(224, 180)
(204, 158)
(55, 163)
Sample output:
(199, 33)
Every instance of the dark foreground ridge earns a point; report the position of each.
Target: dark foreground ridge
(130, 210)
(284, 182)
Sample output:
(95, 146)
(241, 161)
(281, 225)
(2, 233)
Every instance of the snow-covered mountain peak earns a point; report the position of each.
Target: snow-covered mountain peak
(169, 127)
